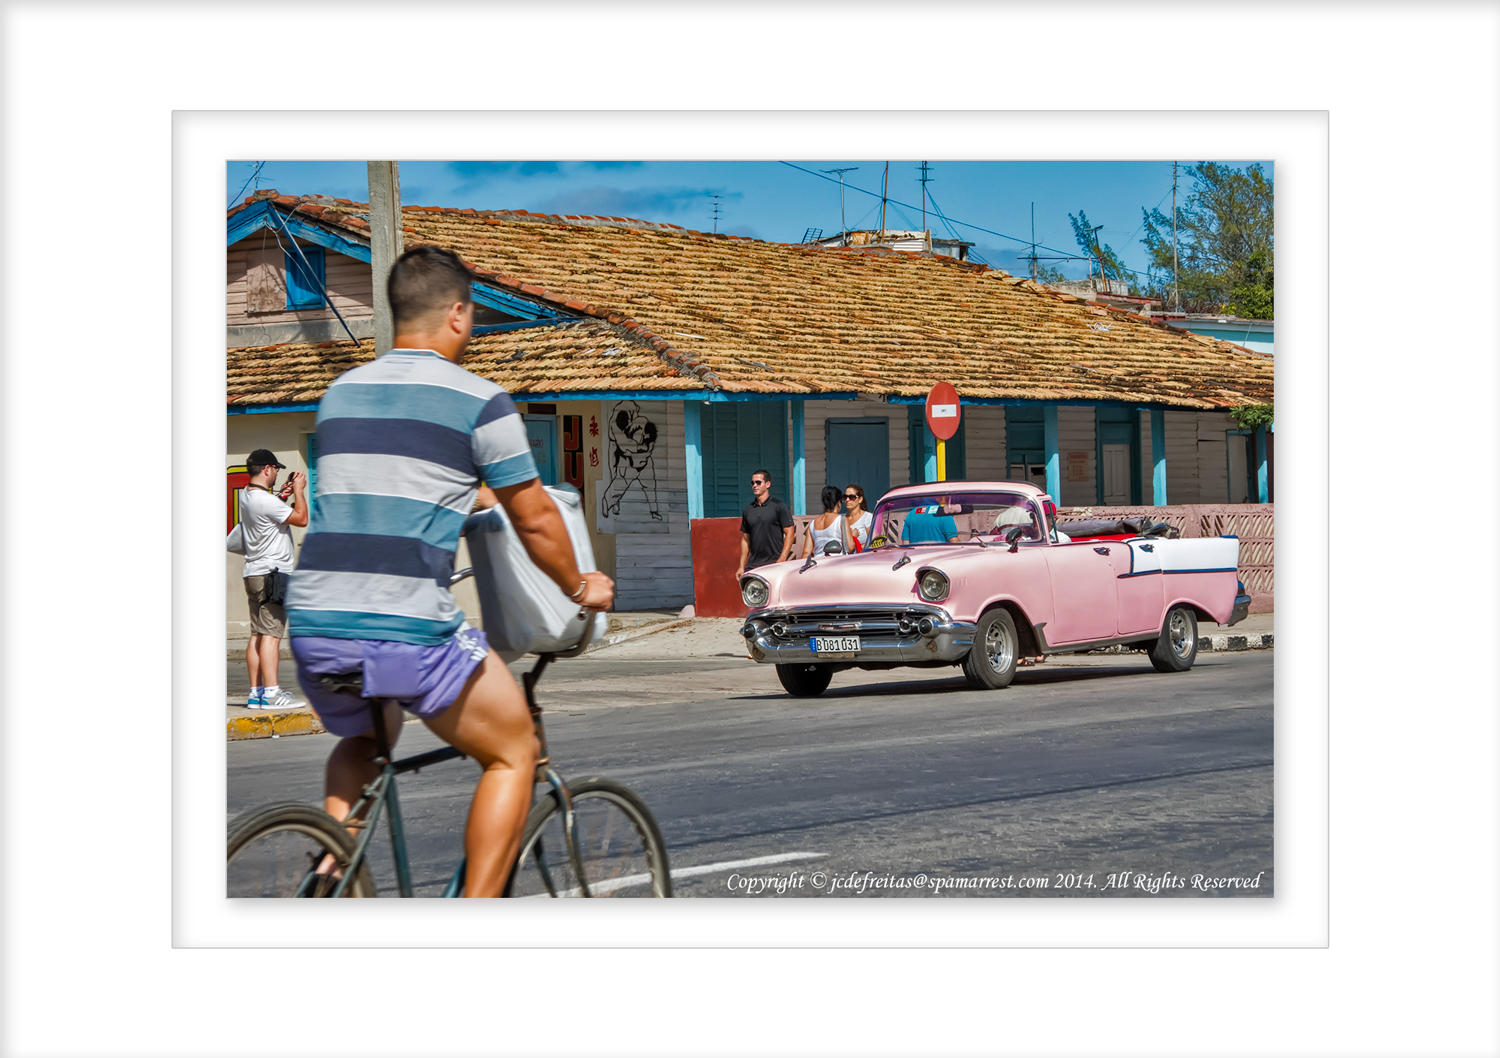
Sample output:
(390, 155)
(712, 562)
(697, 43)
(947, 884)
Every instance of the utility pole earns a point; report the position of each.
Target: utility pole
(843, 228)
(1033, 242)
(925, 178)
(1176, 299)
(884, 183)
(385, 244)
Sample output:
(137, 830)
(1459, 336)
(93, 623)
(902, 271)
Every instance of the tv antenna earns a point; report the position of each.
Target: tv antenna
(1033, 258)
(843, 229)
(925, 178)
(716, 213)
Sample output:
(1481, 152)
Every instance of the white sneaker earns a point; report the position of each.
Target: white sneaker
(280, 700)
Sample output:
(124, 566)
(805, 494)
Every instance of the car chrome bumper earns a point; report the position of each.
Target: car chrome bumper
(887, 634)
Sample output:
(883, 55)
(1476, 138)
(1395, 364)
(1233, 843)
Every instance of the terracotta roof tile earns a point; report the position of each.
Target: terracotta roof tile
(769, 317)
(580, 356)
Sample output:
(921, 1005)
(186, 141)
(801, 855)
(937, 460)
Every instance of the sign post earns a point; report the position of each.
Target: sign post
(942, 420)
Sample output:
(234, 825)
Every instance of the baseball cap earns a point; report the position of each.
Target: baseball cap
(262, 457)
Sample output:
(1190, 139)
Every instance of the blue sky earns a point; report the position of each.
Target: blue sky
(987, 203)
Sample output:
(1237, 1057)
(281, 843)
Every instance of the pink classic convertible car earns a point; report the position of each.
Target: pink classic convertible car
(975, 573)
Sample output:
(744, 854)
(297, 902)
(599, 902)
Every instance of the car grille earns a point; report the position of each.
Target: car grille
(869, 622)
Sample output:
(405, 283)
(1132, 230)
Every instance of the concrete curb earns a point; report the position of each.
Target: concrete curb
(274, 725)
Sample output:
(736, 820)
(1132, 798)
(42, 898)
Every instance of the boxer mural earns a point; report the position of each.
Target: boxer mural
(632, 447)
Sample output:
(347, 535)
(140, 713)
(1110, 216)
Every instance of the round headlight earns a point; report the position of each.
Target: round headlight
(933, 585)
(755, 592)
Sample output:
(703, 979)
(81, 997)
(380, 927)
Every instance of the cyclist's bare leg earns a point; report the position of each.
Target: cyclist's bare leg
(351, 766)
(490, 722)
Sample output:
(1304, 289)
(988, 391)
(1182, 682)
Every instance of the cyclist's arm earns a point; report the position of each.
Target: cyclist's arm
(541, 531)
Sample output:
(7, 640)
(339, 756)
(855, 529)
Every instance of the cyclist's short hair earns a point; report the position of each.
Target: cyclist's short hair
(426, 280)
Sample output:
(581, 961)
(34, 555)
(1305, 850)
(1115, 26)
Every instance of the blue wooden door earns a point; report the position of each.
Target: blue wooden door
(857, 452)
(541, 431)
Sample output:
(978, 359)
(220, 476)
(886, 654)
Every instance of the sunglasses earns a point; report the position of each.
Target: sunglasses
(756, 481)
(852, 496)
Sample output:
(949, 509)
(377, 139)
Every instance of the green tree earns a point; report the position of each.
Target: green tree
(1088, 242)
(1225, 243)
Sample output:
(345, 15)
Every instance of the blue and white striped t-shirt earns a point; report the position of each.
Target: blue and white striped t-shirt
(403, 444)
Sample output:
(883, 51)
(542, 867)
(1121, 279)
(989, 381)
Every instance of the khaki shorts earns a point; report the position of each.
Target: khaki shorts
(266, 618)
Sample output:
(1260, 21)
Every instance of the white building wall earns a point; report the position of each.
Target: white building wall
(1075, 443)
(1148, 466)
(984, 443)
(1213, 457)
(1182, 456)
(815, 442)
(653, 559)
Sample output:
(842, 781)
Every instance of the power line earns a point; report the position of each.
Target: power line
(962, 223)
(253, 173)
(1069, 256)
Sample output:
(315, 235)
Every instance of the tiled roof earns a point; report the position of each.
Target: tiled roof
(750, 316)
(579, 356)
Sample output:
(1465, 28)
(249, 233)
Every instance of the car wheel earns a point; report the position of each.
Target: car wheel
(804, 681)
(991, 663)
(1177, 647)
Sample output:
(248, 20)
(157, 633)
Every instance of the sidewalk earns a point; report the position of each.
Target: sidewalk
(641, 636)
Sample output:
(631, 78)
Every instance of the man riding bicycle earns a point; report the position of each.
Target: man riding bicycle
(406, 444)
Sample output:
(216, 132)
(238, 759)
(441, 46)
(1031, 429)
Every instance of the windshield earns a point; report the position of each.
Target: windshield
(939, 517)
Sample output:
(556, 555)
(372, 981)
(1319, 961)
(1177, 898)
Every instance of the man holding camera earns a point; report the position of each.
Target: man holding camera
(266, 521)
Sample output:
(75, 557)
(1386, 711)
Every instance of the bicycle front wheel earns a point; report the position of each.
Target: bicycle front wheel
(278, 850)
(619, 846)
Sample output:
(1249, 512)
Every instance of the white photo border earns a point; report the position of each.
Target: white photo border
(1411, 96)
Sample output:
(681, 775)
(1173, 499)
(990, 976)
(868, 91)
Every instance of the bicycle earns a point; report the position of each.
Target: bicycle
(594, 838)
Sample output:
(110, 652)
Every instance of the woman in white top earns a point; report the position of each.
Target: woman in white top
(827, 526)
(856, 517)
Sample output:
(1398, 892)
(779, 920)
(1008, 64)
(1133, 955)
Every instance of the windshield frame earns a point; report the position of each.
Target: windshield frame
(992, 500)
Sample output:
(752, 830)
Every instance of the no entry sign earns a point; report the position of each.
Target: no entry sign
(942, 411)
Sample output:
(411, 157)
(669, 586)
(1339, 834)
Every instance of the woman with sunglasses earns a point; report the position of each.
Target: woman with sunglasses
(856, 517)
(826, 527)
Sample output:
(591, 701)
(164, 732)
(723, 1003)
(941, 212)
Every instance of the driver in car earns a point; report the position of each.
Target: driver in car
(926, 524)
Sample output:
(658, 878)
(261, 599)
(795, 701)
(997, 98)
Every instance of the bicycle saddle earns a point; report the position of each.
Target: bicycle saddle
(344, 682)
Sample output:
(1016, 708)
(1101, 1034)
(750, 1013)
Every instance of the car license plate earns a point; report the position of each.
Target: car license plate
(835, 644)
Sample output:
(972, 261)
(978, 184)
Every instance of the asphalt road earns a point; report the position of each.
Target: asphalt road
(1089, 776)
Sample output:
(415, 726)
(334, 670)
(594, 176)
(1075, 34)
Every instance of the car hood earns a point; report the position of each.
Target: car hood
(864, 578)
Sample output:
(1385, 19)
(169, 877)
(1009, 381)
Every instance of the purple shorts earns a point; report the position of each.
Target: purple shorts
(424, 679)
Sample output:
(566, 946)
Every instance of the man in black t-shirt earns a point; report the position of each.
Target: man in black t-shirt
(766, 527)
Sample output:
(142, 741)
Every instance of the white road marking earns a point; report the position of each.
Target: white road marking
(630, 880)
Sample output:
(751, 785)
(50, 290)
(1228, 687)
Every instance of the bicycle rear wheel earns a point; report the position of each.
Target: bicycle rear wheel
(619, 846)
(275, 852)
